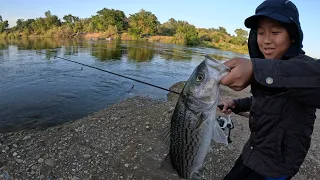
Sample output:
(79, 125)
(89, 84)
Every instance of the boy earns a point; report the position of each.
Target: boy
(285, 85)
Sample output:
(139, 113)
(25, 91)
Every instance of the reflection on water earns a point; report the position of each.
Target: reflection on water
(107, 50)
(39, 90)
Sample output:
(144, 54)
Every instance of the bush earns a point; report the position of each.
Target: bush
(215, 38)
(179, 38)
(162, 39)
(13, 35)
(3, 35)
(26, 32)
(238, 41)
(127, 36)
(205, 37)
(112, 31)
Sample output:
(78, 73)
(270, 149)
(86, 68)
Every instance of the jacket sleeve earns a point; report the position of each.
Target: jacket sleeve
(306, 96)
(242, 105)
(298, 72)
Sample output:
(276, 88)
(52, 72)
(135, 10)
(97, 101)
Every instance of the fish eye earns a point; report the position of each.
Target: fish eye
(199, 77)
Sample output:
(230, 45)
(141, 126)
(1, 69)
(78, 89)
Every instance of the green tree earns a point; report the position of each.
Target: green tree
(70, 20)
(187, 33)
(78, 26)
(73, 22)
(168, 28)
(51, 20)
(22, 25)
(87, 25)
(241, 37)
(223, 30)
(143, 23)
(19, 24)
(241, 33)
(3, 25)
(39, 25)
(109, 17)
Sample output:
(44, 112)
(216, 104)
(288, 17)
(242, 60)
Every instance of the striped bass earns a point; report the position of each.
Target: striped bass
(193, 123)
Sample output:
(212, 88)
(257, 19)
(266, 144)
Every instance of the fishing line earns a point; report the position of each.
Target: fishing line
(149, 84)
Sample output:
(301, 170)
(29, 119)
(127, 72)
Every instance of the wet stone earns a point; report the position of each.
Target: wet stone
(49, 162)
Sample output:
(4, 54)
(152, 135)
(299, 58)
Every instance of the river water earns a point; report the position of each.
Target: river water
(38, 90)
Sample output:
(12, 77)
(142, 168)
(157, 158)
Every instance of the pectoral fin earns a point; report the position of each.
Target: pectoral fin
(165, 136)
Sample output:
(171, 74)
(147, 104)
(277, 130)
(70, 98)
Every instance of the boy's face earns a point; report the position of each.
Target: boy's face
(273, 39)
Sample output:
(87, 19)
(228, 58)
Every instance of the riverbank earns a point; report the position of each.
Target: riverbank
(170, 40)
(122, 142)
(221, 45)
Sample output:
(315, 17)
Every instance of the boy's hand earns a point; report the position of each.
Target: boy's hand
(240, 75)
(226, 107)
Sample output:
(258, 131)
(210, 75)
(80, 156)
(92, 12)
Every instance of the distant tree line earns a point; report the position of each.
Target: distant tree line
(114, 23)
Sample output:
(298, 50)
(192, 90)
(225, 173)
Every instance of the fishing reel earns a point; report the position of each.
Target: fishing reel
(226, 125)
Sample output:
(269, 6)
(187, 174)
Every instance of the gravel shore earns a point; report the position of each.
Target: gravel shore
(122, 142)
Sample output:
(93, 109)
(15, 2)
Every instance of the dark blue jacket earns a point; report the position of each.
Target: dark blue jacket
(286, 94)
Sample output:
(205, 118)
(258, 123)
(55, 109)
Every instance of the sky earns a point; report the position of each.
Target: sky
(202, 13)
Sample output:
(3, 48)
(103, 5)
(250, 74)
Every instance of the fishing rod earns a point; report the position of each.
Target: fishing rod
(54, 56)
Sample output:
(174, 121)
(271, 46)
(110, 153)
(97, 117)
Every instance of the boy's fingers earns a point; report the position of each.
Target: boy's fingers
(230, 63)
(225, 107)
(237, 88)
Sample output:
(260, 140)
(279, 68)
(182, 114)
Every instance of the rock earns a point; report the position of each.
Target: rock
(75, 178)
(86, 156)
(40, 160)
(34, 167)
(14, 154)
(49, 162)
(19, 160)
(126, 165)
(26, 137)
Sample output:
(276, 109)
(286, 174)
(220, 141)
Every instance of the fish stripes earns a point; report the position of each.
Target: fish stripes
(193, 121)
